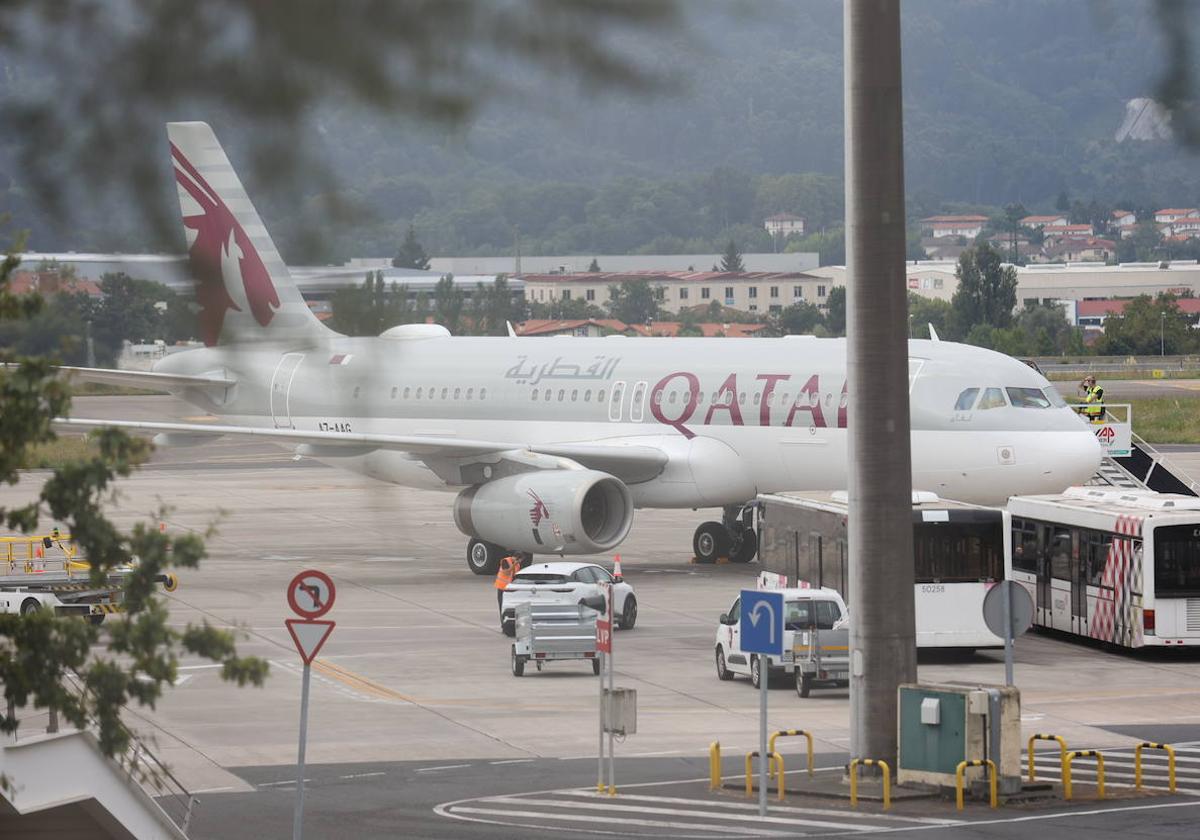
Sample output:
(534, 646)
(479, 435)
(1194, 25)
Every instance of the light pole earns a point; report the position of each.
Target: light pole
(1162, 333)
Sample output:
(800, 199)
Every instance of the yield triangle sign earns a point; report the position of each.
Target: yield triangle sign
(309, 636)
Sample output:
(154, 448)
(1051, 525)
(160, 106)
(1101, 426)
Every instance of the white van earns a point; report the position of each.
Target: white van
(803, 608)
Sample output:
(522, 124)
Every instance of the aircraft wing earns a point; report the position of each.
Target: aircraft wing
(631, 463)
(146, 379)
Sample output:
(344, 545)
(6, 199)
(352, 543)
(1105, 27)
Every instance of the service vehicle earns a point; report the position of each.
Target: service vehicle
(566, 583)
(549, 632)
(1116, 565)
(45, 572)
(821, 653)
(960, 551)
(802, 607)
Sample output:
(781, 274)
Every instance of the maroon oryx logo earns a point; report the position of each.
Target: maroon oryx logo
(220, 237)
(539, 511)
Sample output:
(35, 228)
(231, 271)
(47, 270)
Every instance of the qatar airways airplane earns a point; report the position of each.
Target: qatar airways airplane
(552, 443)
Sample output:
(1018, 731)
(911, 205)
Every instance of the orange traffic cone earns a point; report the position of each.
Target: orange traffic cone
(617, 567)
(162, 527)
(39, 552)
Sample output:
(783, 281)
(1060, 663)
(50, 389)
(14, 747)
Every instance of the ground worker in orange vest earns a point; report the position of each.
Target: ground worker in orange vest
(504, 575)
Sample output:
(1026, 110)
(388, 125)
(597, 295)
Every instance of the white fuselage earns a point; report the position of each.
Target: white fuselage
(734, 417)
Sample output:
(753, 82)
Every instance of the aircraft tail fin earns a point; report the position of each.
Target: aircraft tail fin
(243, 288)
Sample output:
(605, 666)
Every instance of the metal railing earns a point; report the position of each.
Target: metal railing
(139, 762)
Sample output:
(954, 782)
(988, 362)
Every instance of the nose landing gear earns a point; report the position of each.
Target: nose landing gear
(733, 538)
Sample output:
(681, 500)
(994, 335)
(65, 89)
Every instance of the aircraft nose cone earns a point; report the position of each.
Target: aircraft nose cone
(1077, 458)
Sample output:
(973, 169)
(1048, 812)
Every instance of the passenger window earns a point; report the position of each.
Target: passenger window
(601, 574)
(470, 393)
(992, 398)
(584, 575)
(444, 392)
(561, 393)
(356, 390)
(828, 613)
(587, 395)
(966, 399)
(1027, 398)
(798, 615)
(549, 394)
(395, 390)
(600, 396)
(671, 398)
(457, 392)
(735, 612)
(407, 391)
(535, 393)
(742, 398)
(483, 393)
(418, 393)
(757, 397)
(574, 395)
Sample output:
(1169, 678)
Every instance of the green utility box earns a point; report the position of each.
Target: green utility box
(941, 725)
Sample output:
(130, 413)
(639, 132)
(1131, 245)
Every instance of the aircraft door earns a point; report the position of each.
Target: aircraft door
(281, 389)
(637, 402)
(616, 402)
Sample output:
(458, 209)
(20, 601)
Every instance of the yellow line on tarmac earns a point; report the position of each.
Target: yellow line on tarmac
(358, 682)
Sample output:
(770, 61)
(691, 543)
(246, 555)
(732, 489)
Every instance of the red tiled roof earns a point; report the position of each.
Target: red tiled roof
(1176, 211)
(952, 219)
(1067, 229)
(48, 282)
(540, 326)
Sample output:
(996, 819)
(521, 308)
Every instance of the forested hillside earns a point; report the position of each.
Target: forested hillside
(1005, 101)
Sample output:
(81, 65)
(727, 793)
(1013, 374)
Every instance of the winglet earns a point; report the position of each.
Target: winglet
(933, 333)
(511, 332)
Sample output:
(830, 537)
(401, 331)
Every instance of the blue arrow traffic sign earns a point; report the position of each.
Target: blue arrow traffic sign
(762, 622)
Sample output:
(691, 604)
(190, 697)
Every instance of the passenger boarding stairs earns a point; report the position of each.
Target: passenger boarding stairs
(1144, 468)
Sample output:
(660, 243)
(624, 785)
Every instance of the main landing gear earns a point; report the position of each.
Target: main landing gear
(733, 537)
(483, 558)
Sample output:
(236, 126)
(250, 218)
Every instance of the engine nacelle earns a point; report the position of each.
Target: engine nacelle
(548, 512)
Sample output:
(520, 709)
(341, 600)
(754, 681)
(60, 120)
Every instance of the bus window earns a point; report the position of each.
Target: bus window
(958, 552)
(1025, 545)
(992, 398)
(1094, 547)
(1177, 561)
(1058, 552)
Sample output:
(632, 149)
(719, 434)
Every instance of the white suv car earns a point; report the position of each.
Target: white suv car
(566, 583)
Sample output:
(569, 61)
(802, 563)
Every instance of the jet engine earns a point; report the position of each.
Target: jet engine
(548, 512)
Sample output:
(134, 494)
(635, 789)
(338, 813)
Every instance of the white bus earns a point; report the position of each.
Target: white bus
(1120, 566)
(960, 551)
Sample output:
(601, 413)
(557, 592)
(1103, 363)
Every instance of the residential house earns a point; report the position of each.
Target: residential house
(1055, 233)
(1121, 218)
(1171, 215)
(953, 226)
(1043, 221)
(1091, 249)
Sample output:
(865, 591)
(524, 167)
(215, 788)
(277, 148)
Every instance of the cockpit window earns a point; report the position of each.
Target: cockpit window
(966, 399)
(1027, 398)
(992, 398)
(1055, 398)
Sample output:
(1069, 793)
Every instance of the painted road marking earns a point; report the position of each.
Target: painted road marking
(363, 775)
(585, 818)
(441, 767)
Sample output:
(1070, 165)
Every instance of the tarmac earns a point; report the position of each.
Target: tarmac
(415, 684)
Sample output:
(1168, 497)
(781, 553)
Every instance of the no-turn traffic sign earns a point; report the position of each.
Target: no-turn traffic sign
(311, 594)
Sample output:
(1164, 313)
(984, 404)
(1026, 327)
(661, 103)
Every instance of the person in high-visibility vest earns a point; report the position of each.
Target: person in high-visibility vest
(1093, 398)
(509, 566)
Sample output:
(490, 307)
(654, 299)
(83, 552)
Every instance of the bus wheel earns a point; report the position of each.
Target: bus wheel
(30, 606)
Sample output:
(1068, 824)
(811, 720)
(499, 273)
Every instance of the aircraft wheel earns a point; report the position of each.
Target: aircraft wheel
(710, 541)
(747, 548)
(30, 606)
(483, 558)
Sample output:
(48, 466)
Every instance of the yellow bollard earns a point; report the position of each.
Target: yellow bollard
(1071, 756)
(887, 780)
(714, 765)
(959, 780)
(1062, 751)
(786, 733)
(1137, 763)
(774, 765)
